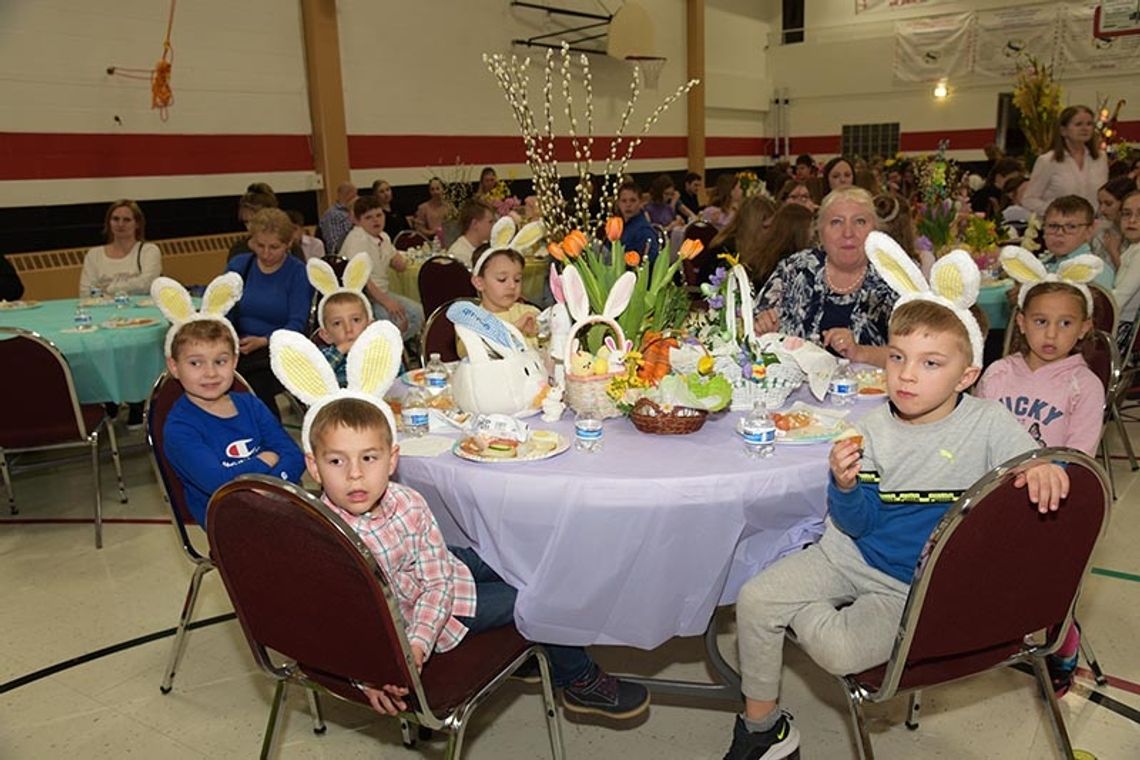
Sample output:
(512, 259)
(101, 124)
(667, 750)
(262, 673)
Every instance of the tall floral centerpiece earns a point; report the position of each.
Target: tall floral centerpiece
(1038, 97)
(937, 175)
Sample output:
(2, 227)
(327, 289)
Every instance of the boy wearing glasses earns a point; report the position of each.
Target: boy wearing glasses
(1068, 231)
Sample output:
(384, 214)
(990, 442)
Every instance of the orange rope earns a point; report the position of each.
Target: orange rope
(161, 94)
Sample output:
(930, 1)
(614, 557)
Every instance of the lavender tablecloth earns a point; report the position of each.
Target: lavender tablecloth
(638, 543)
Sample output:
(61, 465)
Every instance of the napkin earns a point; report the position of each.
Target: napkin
(427, 446)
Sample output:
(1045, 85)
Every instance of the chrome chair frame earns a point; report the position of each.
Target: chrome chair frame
(1032, 652)
(287, 673)
(88, 438)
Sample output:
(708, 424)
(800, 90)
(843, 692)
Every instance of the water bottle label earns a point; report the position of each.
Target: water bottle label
(436, 380)
(414, 417)
(588, 434)
(760, 437)
(843, 387)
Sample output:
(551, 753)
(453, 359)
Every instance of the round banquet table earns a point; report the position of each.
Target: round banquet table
(107, 364)
(635, 544)
(993, 301)
(406, 283)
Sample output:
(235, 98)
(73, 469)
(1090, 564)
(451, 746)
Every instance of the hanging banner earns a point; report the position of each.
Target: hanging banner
(1080, 52)
(930, 49)
(862, 6)
(1003, 37)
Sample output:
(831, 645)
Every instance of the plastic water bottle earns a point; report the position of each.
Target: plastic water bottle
(759, 432)
(588, 432)
(122, 299)
(82, 318)
(843, 387)
(414, 413)
(436, 377)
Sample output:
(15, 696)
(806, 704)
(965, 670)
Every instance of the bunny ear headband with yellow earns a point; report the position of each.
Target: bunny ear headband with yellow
(505, 238)
(356, 274)
(373, 363)
(1024, 267)
(954, 282)
(173, 300)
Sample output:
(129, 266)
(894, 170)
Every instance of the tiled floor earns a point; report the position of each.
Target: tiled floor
(61, 599)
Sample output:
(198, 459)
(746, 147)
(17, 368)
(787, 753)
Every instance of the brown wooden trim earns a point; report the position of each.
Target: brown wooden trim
(695, 68)
(326, 95)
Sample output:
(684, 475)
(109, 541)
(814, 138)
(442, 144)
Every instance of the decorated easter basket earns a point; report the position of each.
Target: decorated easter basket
(588, 393)
(773, 389)
(648, 417)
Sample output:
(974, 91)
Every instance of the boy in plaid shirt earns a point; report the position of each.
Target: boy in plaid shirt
(443, 593)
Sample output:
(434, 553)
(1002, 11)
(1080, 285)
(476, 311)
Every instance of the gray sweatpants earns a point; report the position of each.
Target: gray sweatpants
(802, 591)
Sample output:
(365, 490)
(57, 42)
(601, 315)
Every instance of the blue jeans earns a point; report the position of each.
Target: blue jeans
(495, 606)
(413, 310)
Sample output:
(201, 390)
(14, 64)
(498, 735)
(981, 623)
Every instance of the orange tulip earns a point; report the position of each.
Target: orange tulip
(631, 258)
(574, 243)
(614, 227)
(690, 249)
(556, 251)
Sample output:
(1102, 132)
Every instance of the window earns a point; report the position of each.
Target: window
(870, 140)
(793, 21)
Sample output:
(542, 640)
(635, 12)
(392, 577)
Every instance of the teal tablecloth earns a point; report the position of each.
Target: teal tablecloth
(107, 364)
(993, 301)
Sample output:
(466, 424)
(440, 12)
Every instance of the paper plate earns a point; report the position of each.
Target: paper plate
(415, 377)
(19, 305)
(121, 323)
(825, 425)
(527, 452)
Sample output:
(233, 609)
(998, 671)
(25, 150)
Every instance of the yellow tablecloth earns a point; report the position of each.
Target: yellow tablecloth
(534, 280)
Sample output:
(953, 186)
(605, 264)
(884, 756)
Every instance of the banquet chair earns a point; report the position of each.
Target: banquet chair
(306, 588)
(442, 279)
(439, 335)
(1103, 359)
(1105, 310)
(166, 391)
(979, 602)
(406, 239)
(43, 412)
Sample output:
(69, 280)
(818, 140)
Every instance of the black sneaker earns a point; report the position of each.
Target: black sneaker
(602, 694)
(781, 740)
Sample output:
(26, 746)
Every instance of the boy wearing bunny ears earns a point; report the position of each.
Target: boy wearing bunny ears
(886, 494)
(211, 435)
(343, 311)
(349, 436)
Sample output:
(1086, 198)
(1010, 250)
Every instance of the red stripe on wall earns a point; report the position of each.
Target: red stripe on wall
(26, 155)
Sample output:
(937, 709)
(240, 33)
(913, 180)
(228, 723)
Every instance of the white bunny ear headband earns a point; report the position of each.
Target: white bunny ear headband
(173, 300)
(1024, 267)
(504, 237)
(373, 363)
(356, 275)
(954, 282)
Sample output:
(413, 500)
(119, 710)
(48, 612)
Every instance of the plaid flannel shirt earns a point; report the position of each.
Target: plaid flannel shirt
(432, 586)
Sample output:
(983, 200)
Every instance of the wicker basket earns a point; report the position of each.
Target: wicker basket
(587, 393)
(648, 417)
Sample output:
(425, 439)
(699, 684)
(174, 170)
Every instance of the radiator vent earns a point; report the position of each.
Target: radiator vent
(40, 261)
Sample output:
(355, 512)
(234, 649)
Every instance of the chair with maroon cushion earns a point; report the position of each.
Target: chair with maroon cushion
(1100, 354)
(406, 239)
(439, 335)
(166, 391)
(307, 588)
(979, 601)
(442, 279)
(48, 414)
(1105, 309)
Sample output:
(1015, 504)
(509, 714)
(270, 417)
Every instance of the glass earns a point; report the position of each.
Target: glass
(1129, 214)
(1068, 229)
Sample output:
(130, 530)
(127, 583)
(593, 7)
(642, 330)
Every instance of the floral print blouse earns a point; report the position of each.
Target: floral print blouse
(798, 291)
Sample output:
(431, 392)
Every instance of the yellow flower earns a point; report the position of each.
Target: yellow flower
(729, 259)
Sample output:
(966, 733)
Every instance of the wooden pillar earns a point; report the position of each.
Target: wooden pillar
(695, 66)
(326, 96)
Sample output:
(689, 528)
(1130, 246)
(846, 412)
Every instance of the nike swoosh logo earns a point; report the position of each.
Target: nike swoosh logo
(783, 732)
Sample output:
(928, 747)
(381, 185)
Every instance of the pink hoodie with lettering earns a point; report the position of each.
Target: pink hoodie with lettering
(1060, 404)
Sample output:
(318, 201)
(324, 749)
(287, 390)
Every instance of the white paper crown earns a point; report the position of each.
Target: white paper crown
(954, 282)
(356, 274)
(373, 363)
(505, 238)
(174, 301)
(1024, 267)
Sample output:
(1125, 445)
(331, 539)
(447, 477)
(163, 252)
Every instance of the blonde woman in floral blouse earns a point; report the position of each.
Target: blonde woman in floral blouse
(831, 295)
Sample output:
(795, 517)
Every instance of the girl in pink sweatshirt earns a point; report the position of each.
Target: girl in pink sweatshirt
(1049, 387)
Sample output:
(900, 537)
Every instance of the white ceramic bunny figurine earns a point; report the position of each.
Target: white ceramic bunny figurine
(356, 275)
(1024, 267)
(559, 319)
(578, 302)
(954, 282)
(501, 374)
(174, 301)
(373, 363)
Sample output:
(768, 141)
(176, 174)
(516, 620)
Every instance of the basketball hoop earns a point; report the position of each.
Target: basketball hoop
(650, 67)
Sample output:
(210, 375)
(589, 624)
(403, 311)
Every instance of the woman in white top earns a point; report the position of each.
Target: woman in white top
(1074, 167)
(126, 263)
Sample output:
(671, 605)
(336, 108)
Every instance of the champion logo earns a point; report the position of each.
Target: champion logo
(240, 449)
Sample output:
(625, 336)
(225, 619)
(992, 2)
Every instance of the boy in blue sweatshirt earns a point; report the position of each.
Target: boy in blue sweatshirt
(211, 435)
(844, 596)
